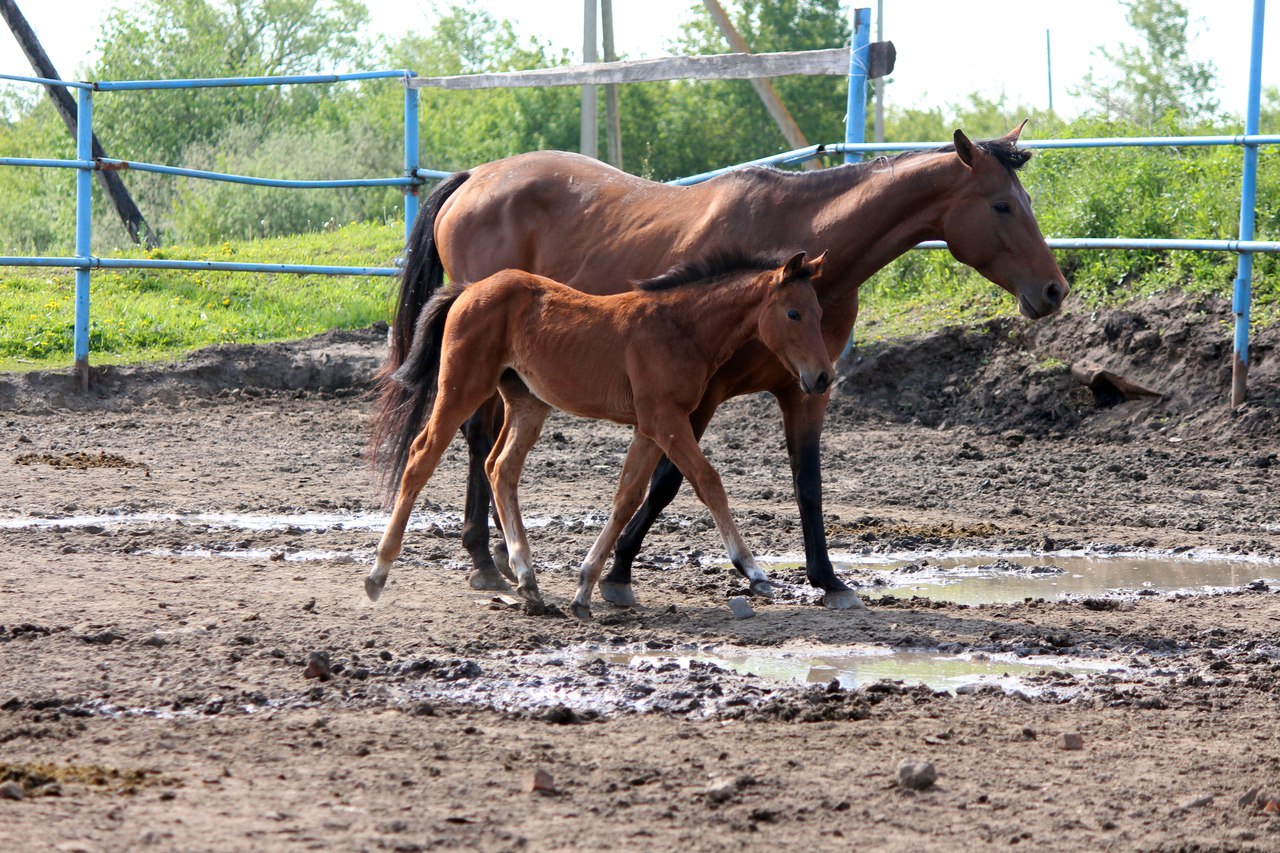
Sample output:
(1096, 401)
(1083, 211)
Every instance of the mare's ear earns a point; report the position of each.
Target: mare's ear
(965, 148)
(1013, 135)
(791, 269)
(815, 267)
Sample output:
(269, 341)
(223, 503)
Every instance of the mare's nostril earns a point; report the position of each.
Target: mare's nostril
(822, 382)
(1053, 293)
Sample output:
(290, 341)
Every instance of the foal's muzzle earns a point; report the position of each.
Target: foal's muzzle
(815, 384)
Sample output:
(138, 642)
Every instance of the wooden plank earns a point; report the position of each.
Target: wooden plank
(724, 66)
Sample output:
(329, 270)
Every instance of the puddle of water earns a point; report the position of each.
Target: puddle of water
(1004, 577)
(260, 554)
(309, 521)
(863, 665)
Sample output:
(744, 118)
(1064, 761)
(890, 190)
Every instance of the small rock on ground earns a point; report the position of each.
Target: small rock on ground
(721, 790)
(1070, 740)
(741, 608)
(916, 775)
(11, 791)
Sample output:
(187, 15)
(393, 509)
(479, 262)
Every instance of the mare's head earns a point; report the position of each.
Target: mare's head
(791, 322)
(990, 226)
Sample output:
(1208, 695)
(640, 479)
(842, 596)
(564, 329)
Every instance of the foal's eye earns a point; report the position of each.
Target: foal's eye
(793, 314)
(1002, 207)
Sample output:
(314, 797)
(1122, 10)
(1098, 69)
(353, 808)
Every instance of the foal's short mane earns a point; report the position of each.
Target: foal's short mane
(714, 265)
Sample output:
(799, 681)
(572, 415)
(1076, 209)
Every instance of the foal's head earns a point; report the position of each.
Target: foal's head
(791, 322)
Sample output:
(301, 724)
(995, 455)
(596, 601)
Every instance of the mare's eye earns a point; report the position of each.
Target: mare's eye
(793, 314)
(1002, 207)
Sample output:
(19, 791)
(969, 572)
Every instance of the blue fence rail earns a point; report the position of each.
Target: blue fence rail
(414, 176)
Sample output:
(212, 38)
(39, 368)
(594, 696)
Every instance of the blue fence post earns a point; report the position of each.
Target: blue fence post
(410, 154)
(855, 119)
(1242, 294)
(84, 223)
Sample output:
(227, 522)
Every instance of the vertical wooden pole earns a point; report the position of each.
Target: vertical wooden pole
(612, 118)
(588, 142)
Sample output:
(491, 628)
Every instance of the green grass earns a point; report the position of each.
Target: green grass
(146, 315)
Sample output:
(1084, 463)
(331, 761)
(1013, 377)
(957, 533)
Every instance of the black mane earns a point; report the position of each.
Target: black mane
(714, 265)
(1005, 151)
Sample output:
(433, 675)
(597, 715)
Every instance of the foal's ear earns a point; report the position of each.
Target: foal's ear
(965, 148)
(815, 267)
(793, 268)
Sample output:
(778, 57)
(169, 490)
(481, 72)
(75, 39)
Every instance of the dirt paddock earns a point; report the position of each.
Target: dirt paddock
(171, 573)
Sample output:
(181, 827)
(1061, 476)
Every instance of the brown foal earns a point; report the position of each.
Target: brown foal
(643, 358)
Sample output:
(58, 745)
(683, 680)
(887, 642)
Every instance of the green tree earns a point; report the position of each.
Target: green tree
(1156, 80)
(683, 127)
(166, 39)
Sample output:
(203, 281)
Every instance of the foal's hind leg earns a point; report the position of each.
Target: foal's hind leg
(464, 384)
(674, 435)
(525, 415)
(642, 455)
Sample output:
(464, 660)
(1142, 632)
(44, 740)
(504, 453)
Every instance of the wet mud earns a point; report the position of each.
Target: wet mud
(189, 660)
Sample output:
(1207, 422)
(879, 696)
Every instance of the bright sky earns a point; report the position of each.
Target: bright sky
(946, 49)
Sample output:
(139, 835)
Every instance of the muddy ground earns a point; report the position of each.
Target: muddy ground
(153, 675)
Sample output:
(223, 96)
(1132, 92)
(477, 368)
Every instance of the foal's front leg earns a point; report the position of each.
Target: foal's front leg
(642, 456)
(525, 415)
(673, 434)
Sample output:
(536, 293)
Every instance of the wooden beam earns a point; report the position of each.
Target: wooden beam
(725, 66)
(764, 89)
(130, 216)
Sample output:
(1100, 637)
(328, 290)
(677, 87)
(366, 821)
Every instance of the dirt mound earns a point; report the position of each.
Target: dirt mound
(1162, 364)
(336, 361)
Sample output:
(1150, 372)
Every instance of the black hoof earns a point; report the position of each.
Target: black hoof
(763, 589)
(620, 594)
(842, 599)
(581, 611)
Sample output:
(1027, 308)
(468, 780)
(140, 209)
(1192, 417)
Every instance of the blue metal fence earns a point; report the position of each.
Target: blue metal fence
(413, 176)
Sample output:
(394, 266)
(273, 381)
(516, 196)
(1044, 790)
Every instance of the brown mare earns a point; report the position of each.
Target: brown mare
(643, 357)
(579, 221)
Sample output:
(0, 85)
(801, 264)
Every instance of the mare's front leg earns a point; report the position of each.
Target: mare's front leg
(802, 417)
(642, 455)
(480, 431)
(671, 431)
(525, 415)
(615, 587)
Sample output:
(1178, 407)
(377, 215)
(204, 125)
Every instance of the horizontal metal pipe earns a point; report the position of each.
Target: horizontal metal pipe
(225, 82)
(216, 266)
(107, 163)
(45, 164)
(45, 81)
(1151, 244)
(432, 174)
(1099, 142)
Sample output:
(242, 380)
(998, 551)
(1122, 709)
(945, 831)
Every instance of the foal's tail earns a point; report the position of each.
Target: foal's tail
(401, 408)
(407, 394)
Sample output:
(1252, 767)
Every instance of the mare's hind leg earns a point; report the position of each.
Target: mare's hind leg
(480, 431)
(673, 434)
(642, 455)
(525, 415)
(663, 487)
